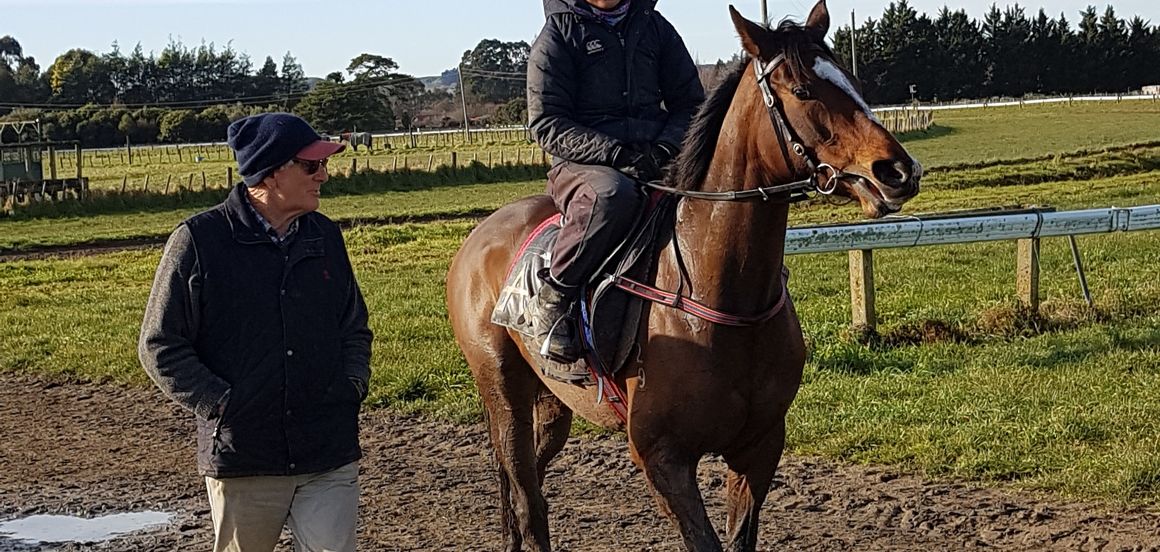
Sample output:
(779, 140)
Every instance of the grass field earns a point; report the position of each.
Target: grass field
(959, 137)
(1003, 180)
(968, 136)
(960, 383)
(109, 169)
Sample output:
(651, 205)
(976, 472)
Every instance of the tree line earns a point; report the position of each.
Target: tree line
(185, 94)
(189, 94)
(952, 56)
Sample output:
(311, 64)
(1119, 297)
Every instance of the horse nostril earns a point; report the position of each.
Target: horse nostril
(892, 173)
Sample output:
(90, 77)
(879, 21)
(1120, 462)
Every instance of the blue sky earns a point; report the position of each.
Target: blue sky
(424, 37)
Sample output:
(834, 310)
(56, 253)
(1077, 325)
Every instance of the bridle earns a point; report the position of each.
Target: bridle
(823, 177)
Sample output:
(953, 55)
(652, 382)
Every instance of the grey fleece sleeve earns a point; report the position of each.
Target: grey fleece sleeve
(551, 104)
(680, 86)
(170, 327)
(356, 334)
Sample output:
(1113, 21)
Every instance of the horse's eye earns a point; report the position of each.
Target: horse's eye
(802, 93)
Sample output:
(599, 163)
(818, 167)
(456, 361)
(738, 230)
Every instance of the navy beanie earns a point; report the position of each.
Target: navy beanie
(263, 143)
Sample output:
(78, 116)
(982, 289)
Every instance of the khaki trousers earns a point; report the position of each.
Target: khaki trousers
(321, 510)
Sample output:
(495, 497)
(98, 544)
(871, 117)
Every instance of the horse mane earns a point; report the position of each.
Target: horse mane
(692, 164)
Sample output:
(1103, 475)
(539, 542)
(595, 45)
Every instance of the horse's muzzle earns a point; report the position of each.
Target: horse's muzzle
(898, 179)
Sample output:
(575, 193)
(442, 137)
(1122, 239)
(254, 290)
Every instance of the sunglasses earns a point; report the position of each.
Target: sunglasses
(309, 166)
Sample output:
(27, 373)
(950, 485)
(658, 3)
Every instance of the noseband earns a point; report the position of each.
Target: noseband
(823, 177)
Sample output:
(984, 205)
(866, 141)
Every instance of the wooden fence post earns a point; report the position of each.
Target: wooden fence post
(1027, 273)
(454, 161)
(168, 179)
(204, 184)
(229, 177)
(145, 188)
(862, 290)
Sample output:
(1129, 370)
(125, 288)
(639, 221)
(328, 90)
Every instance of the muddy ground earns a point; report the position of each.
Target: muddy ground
(92, 450)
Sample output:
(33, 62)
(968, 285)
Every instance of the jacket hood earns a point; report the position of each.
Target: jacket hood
(553, 7)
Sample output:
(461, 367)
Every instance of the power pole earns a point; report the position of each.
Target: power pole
(463, 98)
(764, 14)
(853, 44)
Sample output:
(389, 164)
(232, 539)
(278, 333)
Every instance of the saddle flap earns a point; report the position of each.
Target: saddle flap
(610, 318)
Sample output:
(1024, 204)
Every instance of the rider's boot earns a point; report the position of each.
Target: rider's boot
(556, 325)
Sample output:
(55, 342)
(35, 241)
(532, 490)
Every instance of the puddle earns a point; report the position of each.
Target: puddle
(36, 529)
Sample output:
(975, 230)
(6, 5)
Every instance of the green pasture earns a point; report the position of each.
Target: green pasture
(959, 137)
(423, 195)
(460, 201)
(110, 170)
(973, 136)
(960, 384)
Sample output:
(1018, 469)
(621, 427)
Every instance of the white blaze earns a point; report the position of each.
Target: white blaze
(826, 69)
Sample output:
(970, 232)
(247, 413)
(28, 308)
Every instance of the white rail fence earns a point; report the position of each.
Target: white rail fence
(1010, 102)
(1026, 226)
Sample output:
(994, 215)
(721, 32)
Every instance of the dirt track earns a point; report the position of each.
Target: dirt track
(93, 450)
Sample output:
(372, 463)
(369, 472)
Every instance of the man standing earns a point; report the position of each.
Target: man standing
(257, 325)
(611, 91)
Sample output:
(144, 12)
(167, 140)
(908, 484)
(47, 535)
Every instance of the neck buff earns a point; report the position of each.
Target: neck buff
(614, 16)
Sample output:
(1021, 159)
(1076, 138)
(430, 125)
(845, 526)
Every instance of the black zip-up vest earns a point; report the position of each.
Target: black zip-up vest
(270, 327)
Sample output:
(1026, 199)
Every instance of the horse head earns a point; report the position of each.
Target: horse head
(821, 124)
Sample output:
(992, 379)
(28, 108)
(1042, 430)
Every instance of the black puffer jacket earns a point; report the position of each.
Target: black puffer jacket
(592, 87)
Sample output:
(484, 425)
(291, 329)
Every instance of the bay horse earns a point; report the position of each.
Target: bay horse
(788, 111)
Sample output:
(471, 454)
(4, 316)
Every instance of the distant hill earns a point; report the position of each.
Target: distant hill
(438, 83)
(449, 80)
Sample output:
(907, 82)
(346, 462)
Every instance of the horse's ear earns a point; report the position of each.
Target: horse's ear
(819, 19)
(755, 39)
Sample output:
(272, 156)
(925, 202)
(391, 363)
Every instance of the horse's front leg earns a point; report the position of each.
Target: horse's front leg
(750, 475)
(672, 477)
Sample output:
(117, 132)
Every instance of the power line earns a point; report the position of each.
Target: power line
(347, 88)
(471, 71)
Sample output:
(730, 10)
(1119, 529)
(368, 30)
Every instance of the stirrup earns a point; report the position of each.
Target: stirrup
(544, 352)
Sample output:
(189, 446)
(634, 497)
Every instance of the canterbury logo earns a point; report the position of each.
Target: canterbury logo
(594, 47)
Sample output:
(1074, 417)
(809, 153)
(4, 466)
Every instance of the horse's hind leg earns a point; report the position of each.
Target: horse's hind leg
(513, 540)
(750, 475)
(509, 390)
(553, 423)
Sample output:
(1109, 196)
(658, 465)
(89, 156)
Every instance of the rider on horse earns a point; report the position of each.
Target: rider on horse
(611, 91)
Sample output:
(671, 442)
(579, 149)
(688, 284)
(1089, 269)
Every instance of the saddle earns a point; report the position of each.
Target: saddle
(610, 318)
